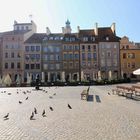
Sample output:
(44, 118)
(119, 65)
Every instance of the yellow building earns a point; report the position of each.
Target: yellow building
(129, 58)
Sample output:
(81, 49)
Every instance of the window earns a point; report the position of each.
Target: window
(131, 55)
(94, 48)
(65, 56)
(52, 57)
(6, 65)
(12, 54)
(65, 47)
(57, 66)
(83, 48)
(89, 56)
(22, 27)
(45, 57)
(57, 57)
(94, 56)
(12, 65)
(70, 56)
(89, 48)
(76, 56)
(32, 56)
(6, 55)
(83, 56)
(45, 66)
(18, 65)
(85, 39)
(27, 57)
(71, 64)
(128, 65)
(27, 28)
(77, 65)
(83, 64)
(108, 54)
(70, 48)
(37, 66)
(133, 65)
(124, 55)
(51, 66)
(38, 56)
(26, 48)
(37, 48)
(76, 47)
(26, 66)
(64, 64)
(32, 48)
(18, 55)
(109, 63)
(115, 63)
(32, 66)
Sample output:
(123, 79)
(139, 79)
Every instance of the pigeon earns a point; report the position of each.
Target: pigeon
(54, 94)
(20, 102)
(108, 93)
(6, 116)
(9, 93)
(51, 108)
(69, 106)
(35, 110)
(32, 116)
(26, 98)
(43, 113)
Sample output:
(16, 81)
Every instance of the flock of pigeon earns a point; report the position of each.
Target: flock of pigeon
(6, 117)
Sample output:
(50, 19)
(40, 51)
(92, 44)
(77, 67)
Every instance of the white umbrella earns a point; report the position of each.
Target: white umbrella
(99, 75)
(82, 76)
(136, 72)
(110, 75)
(63, 76)
(28, 78)
(18, 80)
(7, 80)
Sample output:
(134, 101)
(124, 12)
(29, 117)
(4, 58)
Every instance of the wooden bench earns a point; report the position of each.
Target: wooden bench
(84, 95)
(137, 89)
(124, 91)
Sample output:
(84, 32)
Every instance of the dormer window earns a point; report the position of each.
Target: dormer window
(93, 38)
(85, 39)
(66, 39)
(51, 38)
(27, 28)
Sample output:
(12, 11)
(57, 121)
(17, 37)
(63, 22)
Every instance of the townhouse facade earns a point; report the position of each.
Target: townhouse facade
(12, 47)
(130, 58)
(88, 54)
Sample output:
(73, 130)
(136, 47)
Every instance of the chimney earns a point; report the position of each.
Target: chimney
(63, 30)
(48, 31)
(113, 28)
(78, 29)
(96, 29)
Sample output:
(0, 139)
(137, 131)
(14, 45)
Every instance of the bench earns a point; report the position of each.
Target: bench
(137, 89)
(84, 95)
(124, 91)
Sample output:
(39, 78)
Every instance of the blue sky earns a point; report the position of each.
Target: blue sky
(54, 13)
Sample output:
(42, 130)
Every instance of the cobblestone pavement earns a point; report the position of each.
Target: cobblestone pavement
(109, 117)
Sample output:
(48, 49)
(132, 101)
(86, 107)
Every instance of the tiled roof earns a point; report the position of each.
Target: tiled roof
(36, 38)
(107, 32)
(15, 32)
(89, 32)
